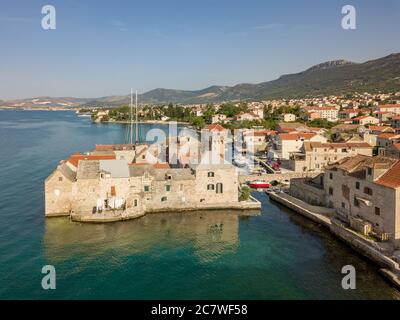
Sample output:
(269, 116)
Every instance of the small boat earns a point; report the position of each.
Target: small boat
(259, 184)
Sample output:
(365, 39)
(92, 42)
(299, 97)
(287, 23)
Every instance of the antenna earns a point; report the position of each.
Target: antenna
(137, 127)
(131, 131)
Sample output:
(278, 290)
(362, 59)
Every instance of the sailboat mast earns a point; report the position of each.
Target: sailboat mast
(131, 131)
(137, 127)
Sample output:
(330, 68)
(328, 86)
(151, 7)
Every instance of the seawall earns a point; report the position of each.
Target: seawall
(364, 246)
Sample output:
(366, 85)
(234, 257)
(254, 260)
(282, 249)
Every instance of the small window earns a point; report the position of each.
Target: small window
(211, 175)
(331, 191)
(163, 199)
(370, 171)
(331, 176)
(135, 203)
(60, 178)
(167, 188)
(219, 188)
(356, 202)
(146, 188)
(343, 205)
(358, 185)
(368, 191)
(377, 211)
(210, 187)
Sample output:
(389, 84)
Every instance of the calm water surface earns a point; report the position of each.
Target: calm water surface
(219, 255)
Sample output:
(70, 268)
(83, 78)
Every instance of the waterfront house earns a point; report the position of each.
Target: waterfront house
(314, 156)
(282, 145)
(363, 190)
(101, 187)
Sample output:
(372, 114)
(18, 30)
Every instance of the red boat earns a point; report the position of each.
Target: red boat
(259, 184)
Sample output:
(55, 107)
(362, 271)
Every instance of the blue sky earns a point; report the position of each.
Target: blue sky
(103, 48)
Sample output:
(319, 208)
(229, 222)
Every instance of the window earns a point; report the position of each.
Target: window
(330, 191)
(368, 191)
(135, 203)
(219, 188)
(210, 187)
(377, 211)
(146, 188)
(370, 171)
(163, 199)
(167, 188)
(343, 205)
(356, 202)
(358, 185)
(331, 176)
(211, 175)
(60, 179)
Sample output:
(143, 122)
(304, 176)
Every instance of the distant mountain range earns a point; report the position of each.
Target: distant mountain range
(329, 78)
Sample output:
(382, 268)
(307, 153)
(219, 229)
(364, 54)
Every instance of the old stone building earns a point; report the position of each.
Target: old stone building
(91, 185)
(314, 156)
(363, 190)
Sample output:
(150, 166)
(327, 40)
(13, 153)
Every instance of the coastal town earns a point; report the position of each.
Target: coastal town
(334, 160)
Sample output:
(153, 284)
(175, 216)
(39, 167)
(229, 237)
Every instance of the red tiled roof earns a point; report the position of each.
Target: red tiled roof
(379, 128)
(75, 158)
(296, 136)
(390, 106)
(216, 127)
(391, 178)
(163, 165)
(362, 117)
(387, 135)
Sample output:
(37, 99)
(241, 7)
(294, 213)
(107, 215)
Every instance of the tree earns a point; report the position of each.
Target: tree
(198, 122)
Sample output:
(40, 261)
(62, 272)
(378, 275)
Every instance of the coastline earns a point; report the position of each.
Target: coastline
(248, 208)
(390, 268)
(145, 122)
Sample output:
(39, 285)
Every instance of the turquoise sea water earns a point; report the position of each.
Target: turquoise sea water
(218, 255)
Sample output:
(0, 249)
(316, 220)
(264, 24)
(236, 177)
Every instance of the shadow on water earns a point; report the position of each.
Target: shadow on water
(210, 233)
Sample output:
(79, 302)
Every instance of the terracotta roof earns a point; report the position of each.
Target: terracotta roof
(296, 136)
(216, 127)
(391, 178)
(390, 106)
(159, 165)
(388, 136)
(362, 117)
(353, 165)
(380, 128)
(75, 158)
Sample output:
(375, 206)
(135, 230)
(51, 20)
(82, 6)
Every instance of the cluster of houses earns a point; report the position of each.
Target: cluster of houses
(125, 181)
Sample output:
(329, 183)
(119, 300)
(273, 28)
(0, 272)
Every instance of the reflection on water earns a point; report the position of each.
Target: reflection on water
(211, 234)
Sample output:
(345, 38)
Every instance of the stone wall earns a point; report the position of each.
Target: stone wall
(57, 194)
(299, 188)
